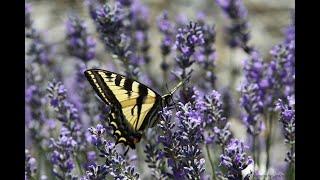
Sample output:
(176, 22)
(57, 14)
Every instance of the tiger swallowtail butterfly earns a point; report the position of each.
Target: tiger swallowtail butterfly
(134, 106)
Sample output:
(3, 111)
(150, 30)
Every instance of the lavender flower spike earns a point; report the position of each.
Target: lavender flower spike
(234, 159)
(166, 28)
(62, 153)
(114, 30)
(287, 118)
(206, 55)
(253, 93)
(187, 39)
(115, 165)
(182, 142)
(79, 43)
(238, 30)
(67, 113)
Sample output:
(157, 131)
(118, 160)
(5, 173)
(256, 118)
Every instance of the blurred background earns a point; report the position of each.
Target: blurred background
(267, 20)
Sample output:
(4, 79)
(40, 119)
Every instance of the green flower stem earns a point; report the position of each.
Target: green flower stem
(211, 163)
(79, 164)
(269, 139)
(43, 162)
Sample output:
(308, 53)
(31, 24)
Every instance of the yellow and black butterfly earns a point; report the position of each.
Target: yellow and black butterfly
(134, 106)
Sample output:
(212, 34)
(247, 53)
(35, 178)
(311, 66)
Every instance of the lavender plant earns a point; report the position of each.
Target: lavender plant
(187, 39)
(62, 155)
(79, 43)
(36, 63)
(253, 94)
(238, 32)
(182, 146)
(235, 159)
(116, 34)
(206, 55)
(66, 112)
(156, 161)
(115, 164)
(165, 26)
(82, 45)
(287, 118)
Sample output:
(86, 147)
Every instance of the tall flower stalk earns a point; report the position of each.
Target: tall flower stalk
(82, 46)
(253, 98)
(187, 39)
(287, 119)
(206, 55)
(238, 30)
(165, 26)
(235, 160)
(281, 78)
(117, 34)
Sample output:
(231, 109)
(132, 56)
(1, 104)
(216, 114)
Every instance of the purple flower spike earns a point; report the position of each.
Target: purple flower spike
(287, 118)
(79, 43)
(238, 31)
(235, 159)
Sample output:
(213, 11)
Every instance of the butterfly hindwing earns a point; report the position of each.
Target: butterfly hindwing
(134, 104)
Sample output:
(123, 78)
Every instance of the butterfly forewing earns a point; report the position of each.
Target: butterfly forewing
(134, 104)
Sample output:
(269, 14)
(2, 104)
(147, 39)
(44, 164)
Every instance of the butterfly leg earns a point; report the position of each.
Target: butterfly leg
(125, 153)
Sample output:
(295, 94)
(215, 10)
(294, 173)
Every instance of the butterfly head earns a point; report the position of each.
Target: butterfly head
(166, 99)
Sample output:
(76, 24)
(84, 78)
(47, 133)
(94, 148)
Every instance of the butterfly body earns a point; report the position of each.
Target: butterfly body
(134, 106)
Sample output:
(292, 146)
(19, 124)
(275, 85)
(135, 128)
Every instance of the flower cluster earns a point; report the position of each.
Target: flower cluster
(116, 32)
(63, 150)
(181, 142)
(253, 93)
(139, 14)
(187, 39)
(82, 46)
(206, 55)
(36, 63)
(213, 121)
(38, 51)
(165, 26)
(79, 43)
(287, 118)
(238, 35)
(66, 112)
(281, 71)
(155, 160)
(116, 165)
(235, 159)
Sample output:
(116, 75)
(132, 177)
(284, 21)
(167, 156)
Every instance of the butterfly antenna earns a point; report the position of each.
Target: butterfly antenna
(181, 83)
(170, 96)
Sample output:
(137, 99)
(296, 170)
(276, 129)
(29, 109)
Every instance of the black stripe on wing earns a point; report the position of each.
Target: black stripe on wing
(151, 117)
(104, 87)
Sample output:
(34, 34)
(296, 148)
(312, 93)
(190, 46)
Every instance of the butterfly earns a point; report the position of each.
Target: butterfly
(133, 106)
